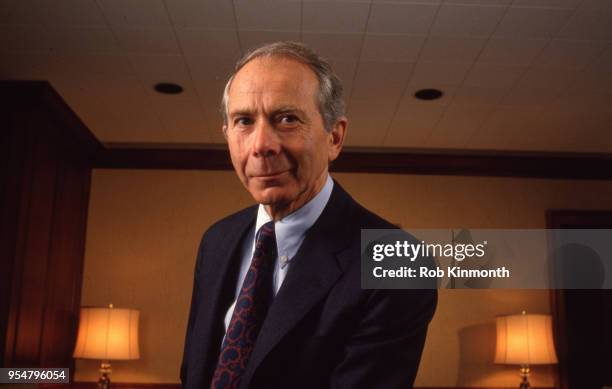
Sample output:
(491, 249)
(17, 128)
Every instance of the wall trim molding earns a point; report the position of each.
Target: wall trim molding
(422, 162)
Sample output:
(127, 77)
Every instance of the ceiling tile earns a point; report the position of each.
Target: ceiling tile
(507, 128)
(433, 2)
(532, 22)
(587, 24)
(251, 39)
(469, 20)
(494, 76)
(381, 81)
(594, 81)
(123, 112)
(467, 94)
(210, 68)
(334, 45)
(135, 13)
(400, 18)
(480, 2)
(83, 40)
(346, 71)
(71, 13)
(413, 124)
(94, 67)
(368, 122)
(334, 16)
(147, 40)
(387, 47)
(205, 14)
(527, 97)
(439, 73)
(210, 75)
(569, 53)
(543, 77)
(99, 117)
(116, 88)
(567, 4)
(27, 65)
(451, 49)
(457, 125)
(24, 37)
(20, 12)
(596, 5)
(517, 52)
(152, 69)
(223, 43)
(268, 15)
(603, 62)
(183, 119)
(581, 101)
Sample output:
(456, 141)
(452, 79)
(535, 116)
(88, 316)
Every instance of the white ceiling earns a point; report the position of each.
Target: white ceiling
(517, 74)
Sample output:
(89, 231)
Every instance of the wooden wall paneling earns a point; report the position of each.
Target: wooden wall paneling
(48, 176)
(33, 253)
(64, 271)
(13, 145)
(582, 319)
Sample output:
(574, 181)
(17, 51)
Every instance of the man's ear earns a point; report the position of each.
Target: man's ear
(224, 130)
(336, 138)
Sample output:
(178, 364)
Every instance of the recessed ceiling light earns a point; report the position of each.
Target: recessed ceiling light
(428, 94)
(168, 88)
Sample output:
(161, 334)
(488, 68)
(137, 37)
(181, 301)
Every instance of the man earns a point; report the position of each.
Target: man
(276, 300)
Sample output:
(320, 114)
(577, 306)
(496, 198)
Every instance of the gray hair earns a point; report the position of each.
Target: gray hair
(331, 93)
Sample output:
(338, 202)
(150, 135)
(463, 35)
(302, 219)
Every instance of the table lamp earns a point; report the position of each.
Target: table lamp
(525, 339)
(107, 333)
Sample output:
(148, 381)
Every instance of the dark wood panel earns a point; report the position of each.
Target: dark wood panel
(13, 166)
(64, 273)
(582, 318)
(44, 202)
(455, 163)
(33, 252)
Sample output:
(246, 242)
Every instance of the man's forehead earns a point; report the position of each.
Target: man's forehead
(274, 73)
(278, 80)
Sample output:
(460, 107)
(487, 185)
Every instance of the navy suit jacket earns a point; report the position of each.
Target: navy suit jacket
(322, 330)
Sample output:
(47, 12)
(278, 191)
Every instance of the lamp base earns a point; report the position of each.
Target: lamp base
(104, 380)
(525, 377)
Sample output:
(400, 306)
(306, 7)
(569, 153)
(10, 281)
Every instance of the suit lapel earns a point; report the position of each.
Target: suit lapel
(218, 282)
(313, 272)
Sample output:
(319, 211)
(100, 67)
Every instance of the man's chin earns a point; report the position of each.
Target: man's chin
(274, 196)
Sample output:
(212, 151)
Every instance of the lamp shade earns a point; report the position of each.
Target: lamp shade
(525, 339)
(107, 334)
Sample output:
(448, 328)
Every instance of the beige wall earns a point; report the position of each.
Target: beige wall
(144, 227)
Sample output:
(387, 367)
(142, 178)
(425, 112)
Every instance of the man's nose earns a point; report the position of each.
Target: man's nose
(265, 139)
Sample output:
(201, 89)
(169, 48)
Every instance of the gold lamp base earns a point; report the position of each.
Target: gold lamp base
(104, 380)
(525, 377)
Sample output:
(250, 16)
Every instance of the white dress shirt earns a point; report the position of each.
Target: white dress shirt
(290, 232)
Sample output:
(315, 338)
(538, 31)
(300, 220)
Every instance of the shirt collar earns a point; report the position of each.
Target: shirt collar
(291, 229)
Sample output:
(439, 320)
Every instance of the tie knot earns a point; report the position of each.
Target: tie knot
(267, 228)
(266, 239)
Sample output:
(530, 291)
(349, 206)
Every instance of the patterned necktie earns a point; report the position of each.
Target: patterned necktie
(249, 312)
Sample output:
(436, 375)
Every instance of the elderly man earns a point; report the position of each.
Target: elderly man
(276, 299)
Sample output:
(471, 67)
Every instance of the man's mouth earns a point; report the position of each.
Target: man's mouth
(269, 175)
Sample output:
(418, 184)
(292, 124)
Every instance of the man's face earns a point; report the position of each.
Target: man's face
(275, 132)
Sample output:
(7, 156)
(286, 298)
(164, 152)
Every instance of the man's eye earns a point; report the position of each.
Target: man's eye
(243, 121)
(289, 119)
